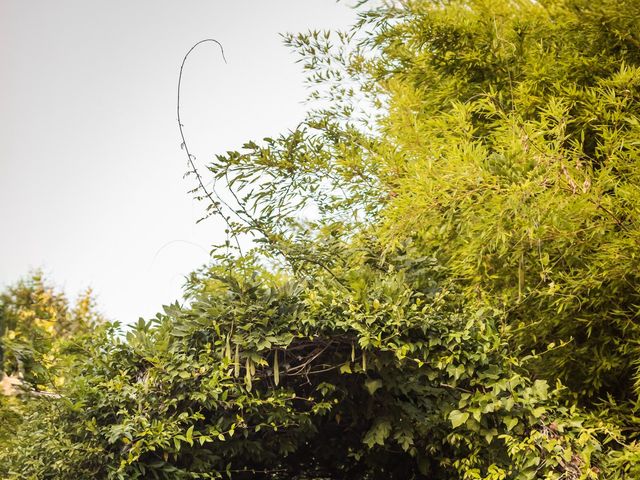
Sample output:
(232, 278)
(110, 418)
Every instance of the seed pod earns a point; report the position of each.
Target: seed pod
(247, 375)
(276, 369)
(227, 348)
(236, 367)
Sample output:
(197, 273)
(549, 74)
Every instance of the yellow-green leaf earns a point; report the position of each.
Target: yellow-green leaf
(458, 418)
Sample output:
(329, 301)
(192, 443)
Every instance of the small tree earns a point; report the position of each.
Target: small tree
(37, 330)
(35, 321)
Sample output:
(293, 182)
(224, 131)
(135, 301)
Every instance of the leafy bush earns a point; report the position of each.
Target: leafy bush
(293, 379)
(38, 327)
(443, 283)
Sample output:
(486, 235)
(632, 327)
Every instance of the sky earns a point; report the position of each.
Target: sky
(91, 170)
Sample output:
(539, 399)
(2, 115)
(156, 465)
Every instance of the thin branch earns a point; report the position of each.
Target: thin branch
(214, 202)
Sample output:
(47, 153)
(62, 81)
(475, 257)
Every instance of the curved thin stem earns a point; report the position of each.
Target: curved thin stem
(215, 202)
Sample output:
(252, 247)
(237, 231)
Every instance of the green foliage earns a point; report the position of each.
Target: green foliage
(517, 124)
(35, 322)
(444, 281)
(38, 328)
(373, 380)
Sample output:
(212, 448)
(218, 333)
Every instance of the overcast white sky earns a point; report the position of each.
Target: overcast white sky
(91, 186)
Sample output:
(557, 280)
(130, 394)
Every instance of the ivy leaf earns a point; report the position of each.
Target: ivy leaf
(373, 385)
(378, 433)
(458, 418)
(510, 422)
(541, 388)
